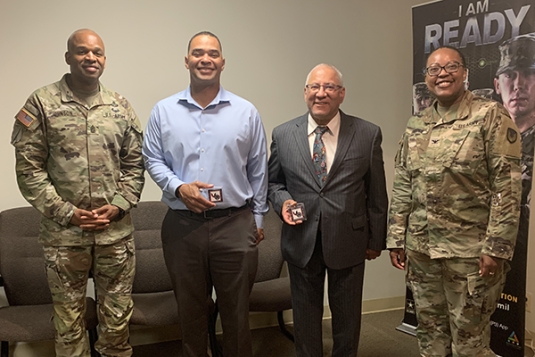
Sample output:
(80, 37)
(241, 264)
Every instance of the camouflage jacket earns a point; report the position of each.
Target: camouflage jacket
(71, 156)
(457, 183)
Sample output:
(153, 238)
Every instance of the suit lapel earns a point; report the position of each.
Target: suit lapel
(345, 137)
(301, 138)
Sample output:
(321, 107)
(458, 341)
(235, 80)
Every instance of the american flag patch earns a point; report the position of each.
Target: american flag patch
(25, 117)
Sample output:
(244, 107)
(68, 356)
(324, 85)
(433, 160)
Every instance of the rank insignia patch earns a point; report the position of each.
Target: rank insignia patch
(511, 135)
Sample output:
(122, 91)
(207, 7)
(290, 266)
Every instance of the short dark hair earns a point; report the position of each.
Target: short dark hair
(205, 33)
(463, 60)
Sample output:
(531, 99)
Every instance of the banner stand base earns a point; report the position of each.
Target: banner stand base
(408, 329)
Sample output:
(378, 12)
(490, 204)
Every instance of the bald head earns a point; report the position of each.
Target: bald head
(86, 57)
(82, 33)
(338, 74)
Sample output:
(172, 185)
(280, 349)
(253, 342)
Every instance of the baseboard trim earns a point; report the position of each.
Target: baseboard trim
(143, 335)
(264, 319)
(385, 304)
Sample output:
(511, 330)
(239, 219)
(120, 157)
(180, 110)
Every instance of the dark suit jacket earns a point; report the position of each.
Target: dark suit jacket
(352, 204)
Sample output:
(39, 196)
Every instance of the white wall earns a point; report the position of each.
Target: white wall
(269, 46)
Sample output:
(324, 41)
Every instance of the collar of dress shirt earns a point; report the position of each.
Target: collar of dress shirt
(221, 97)
(334, 125)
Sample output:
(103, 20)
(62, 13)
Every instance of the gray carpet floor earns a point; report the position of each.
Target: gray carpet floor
(378, 338)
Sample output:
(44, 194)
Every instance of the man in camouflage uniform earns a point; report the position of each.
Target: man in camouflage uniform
(79, 162)
(421, 97)
(515, 83)
(455, 209)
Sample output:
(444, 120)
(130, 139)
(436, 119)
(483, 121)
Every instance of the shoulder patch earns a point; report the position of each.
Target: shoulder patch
(512, 135)
(25, 117)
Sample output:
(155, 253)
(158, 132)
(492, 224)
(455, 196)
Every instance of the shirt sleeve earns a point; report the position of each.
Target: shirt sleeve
(277, 191)
(503, 145)
(153, 153)
(377, 198)
(257, 171)
(400, 206)
(31, 152)
(132, 179)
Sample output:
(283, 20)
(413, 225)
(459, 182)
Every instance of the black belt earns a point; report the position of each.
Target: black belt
(214, 213)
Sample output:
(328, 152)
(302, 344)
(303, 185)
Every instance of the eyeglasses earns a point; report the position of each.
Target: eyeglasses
(329, 87)
(435, 69)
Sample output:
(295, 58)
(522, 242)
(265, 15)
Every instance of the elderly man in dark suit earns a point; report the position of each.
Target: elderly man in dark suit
(332, 163)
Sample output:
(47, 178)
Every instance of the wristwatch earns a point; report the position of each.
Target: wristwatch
(121, 214)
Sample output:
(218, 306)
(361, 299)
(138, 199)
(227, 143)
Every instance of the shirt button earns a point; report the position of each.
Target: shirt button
(202, 169)
(203, 130)
(93, 129)
(202, 150)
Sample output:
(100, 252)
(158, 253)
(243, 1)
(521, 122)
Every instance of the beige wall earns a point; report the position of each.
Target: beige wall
(269, 45)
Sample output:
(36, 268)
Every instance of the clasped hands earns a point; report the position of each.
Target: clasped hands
(94, 220)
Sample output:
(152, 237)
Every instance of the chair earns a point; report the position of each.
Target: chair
(152, 292)
(271, 292)
(22, 266)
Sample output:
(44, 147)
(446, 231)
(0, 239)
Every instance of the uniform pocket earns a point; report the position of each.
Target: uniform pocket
(467, 150)
(130, 247)
(472, 282)
(52, 271)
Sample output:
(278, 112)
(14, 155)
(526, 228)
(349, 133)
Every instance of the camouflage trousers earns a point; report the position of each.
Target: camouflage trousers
(453, 304)
(113, 272)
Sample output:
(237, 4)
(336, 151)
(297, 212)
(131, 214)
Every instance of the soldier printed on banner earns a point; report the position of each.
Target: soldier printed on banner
(421, 98)
(515, 84)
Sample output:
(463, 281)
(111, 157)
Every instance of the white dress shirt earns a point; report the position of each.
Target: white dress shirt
(330, 138)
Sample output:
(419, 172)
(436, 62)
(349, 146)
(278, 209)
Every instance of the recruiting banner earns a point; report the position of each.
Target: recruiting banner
(498, 40)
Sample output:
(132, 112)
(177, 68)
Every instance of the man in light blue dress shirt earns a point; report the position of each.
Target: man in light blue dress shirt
(206, 149)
